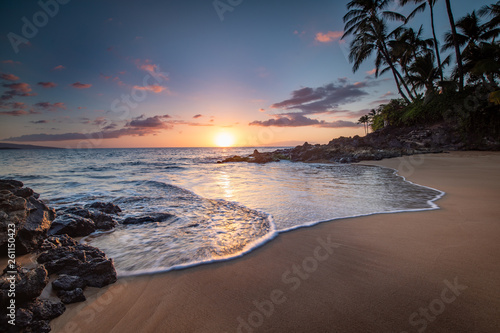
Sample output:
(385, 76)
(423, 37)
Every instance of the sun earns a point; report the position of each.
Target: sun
(224, 139)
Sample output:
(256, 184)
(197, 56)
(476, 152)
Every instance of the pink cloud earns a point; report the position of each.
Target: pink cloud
(8, 77)
(58, 68)
(16, 89)
(262, 110)
(328, 37)
(81, 107)
(15, 113)
(152, 87)
(51, 107)
(373, 71)
(12, 62)
(47, 84)
(79, 85)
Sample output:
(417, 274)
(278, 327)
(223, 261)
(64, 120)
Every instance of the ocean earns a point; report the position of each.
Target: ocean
(220, 211)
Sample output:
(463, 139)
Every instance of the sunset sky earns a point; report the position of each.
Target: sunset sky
(181, 73)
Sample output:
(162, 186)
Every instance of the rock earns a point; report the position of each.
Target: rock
(46, 309)
(71, 296)
(72, 225)
(31, 217)
(105, 207)
(87, 262)
(29, 283)
(24, 317)
(56, 241)
(68, 282)
(101, 220)
(159, 217)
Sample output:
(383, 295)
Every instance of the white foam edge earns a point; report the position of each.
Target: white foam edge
(274, 233)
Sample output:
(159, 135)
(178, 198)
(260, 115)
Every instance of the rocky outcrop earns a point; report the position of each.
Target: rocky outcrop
(159, 217)
(30, 217)
(27, 223)
(84, 261)
(386, 143)
(31, 313)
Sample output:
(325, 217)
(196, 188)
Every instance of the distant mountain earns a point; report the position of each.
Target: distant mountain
(4, 145)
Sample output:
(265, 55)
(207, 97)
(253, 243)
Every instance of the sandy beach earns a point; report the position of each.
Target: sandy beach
(432, 271)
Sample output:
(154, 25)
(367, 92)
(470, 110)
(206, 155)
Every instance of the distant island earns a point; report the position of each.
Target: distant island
(4, 145)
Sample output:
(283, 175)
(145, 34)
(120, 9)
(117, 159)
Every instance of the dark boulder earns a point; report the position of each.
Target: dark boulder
(159, 217)
(105, 207)
(72, 225)
(31, 217)
(53, 242)
(68, 282)
(101, 220)
(29, 283)
(71, 296)
(87, 262)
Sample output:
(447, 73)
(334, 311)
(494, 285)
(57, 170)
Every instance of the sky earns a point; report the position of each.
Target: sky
(110, 73)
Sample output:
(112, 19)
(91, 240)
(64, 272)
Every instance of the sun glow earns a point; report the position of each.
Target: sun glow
(224, 139)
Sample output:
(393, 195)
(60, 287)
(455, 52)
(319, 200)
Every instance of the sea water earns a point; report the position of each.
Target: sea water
(219, 210)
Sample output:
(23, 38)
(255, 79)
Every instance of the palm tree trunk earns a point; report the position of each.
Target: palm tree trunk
(457, 47)
(436, 46)
(397, 76)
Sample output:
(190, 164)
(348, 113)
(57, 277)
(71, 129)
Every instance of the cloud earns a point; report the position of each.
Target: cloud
(79, 85)
(12, 62)
(152, 87)
(262, 110)
(197, 116)
(51, 107)
(322, 99)
(151, 122)
(153, 69)
(47, 84)
(114, 134)
(15, 113)
(373, 71)
(328, 37)
(40, 122)
(299, 120)
(58, 68)
(387, 94)
(8, 77)
(17, 89)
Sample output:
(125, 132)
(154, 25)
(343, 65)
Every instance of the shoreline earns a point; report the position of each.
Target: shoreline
(336, 292)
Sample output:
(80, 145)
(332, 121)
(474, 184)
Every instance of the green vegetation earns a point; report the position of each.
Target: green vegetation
(468, 99)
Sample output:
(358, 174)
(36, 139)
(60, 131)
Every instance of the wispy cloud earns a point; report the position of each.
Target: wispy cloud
(153, 88)
(58, 68)
(197, 116)
(16, 89)
(329, 36)
(47, 84)
(11, 62)
(151, 122)
(79, 85)
(50, 107)
(322, 99)
(8, 77)
(15, 113)
(299, 120)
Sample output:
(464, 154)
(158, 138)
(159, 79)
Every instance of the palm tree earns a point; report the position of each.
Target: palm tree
(420, 8)
(492, 27)
(364, 120)
(365, 20)
(457, 46)
(483, 62)
(471, 33)
(423, 73)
